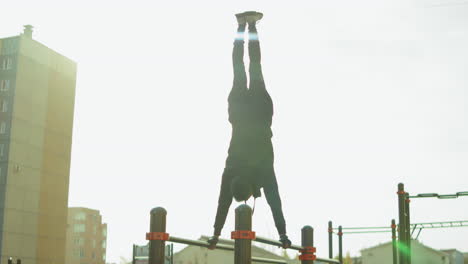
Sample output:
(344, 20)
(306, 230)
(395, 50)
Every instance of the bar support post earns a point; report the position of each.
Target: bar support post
(307, 240)
(330, 239)
(408, 227)
(340, 244)
(157, 247)
(243, 246)
(394, 243)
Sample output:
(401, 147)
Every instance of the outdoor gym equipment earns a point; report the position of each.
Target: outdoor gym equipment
(243, 236)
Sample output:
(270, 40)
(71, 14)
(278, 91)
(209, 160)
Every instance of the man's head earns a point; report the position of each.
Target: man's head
(241, 189)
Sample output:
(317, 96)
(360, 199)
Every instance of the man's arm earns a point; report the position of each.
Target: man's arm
(273, 198)
(224, 202)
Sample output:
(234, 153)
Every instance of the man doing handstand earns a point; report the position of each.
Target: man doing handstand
(249, 165)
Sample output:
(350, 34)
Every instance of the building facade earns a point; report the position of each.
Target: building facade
(456, 257)
(420, 254)
(86, 237)
(141, 253)
(37, 95)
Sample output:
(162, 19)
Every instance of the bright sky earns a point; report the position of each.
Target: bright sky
(367, 94)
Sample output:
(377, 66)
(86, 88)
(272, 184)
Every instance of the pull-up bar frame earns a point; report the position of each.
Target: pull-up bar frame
(242, 246)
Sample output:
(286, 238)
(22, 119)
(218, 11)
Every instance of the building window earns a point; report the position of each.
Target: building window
(3, 174)
(80, 216)
(104, 258)
(2, 150)
(93, 243)
(104, 244)
(2, 127)
(78, 241)
(104, 232)
(76, 253)
(93, 255)
(95, 230)
(7, 63)
(79, 228)
(4, 106)
(4, 85)
(82, 253)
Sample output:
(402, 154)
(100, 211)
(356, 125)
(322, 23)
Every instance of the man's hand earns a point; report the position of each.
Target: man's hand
(212, 241)
(285, 241)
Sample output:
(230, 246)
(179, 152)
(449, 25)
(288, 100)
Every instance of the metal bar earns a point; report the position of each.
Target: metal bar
(371, 227)
(433, 227)
(199, 243)
(447, 196)
(426, 195)
(295, 247)
(205, 244)
(330, 239)
(275, 243)
(440, 196)
(414, 228)
(243, 247)
(267, 260)
(444, 222)
(367, 232)
(157, 247)
(419, 232)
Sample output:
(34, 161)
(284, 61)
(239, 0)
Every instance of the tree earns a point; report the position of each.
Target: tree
(347, 259)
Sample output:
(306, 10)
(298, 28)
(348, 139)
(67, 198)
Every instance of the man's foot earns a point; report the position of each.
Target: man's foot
(252, 17)
(286, 243)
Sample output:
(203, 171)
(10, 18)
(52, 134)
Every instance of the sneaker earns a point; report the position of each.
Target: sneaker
(252, 16)
(241, 18)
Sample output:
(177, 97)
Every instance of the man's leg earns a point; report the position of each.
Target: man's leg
(255, 67)
(239, 86)
(263, 103)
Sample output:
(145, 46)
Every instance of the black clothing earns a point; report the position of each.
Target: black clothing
(250, 153)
